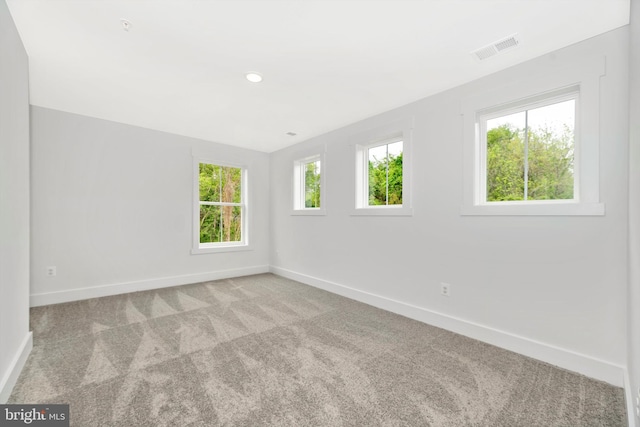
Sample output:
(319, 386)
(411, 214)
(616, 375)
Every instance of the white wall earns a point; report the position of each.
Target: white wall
(634, 202)
(15, 338)
(112, 209)
(550, 287)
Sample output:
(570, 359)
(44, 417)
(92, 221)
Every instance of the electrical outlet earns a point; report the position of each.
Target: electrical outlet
(444, 289)
(51, 271)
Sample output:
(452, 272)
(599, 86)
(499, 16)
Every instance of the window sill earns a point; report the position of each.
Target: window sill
(383, 211)
(217, 249)
(534, 209)
(309, 212)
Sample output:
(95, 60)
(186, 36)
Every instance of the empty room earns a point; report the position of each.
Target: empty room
(320, 213)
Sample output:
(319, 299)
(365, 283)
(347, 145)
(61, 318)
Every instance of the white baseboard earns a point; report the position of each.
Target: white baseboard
(140, 285)
(629, 395)
(564, 358)
(13, 372)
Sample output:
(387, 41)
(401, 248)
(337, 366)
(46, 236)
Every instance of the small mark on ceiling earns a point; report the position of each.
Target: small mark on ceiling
(126, 25)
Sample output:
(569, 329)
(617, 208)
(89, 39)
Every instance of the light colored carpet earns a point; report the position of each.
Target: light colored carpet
(267, 351)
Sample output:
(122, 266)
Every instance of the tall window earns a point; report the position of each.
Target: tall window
(383, 169)
(307, 185)
(308, 174)
(222, 208)
(384, 178)
(528, 152)
(311, 177)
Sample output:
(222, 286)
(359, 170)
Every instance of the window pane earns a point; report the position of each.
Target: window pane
(312, 184)
(505, 158)
(385, 174)
(210, 224)
(231, 184)
(551, 144)
(231, 223)
(377, 157)
(209, 182)
(395, 173)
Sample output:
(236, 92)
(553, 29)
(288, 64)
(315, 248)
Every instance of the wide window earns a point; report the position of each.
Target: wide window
(221, 206)
(528, 151)
(531, 144)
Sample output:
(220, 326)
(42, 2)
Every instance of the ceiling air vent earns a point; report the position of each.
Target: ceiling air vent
(496, 47)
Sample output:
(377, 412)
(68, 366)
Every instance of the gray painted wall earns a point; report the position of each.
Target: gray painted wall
(552, 287)
(112, 208)
(100, 217)
(14, 201)
(634, 203)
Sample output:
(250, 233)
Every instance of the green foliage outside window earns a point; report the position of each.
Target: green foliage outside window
(385, 176)
(312, 184)
(220, 185)
(549, 162)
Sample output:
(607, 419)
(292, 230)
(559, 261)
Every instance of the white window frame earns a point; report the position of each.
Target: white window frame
(213, 247)
(298, 183)
(566, 94)
(580, 82)
(401, 130)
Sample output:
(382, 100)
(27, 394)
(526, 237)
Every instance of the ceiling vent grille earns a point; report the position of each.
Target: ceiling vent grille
(496, 47)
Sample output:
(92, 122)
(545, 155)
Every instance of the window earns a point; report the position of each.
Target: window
(531, 144)
(382, 171)
(311, 180)
(307, 176)
(384, 178)
(220, 217)
(308, 184)
(527, 151)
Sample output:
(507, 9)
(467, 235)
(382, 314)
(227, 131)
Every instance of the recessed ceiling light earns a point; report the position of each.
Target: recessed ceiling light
(125, 24)
(254, 77)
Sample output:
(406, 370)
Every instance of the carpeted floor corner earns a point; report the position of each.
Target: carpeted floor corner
(267, 351)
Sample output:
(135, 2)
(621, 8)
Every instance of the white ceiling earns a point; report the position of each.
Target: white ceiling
(326, 63)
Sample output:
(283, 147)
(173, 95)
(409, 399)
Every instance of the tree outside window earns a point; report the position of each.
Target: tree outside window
(312, 175)
(221, 204)
(385, 174)
(530, 154)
